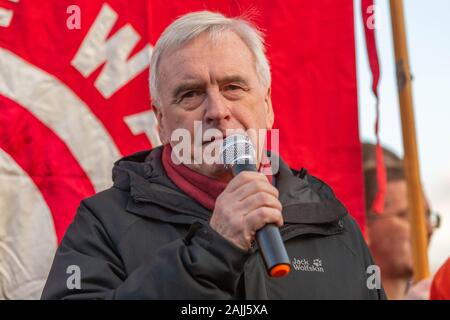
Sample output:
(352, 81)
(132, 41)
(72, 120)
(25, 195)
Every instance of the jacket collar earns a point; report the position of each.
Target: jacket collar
(152, 192)
(302, 204)
(153, 195)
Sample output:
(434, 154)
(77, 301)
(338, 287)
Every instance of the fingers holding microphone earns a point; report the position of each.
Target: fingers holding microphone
(249, 208)
(248, 203)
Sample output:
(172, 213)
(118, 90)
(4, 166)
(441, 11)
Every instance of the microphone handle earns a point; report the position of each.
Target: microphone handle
(273, 250)
(269, 239)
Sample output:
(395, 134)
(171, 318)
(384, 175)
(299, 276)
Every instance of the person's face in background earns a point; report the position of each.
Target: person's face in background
(389, 233)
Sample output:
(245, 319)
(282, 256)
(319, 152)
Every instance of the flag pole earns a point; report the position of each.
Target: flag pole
(411, 161)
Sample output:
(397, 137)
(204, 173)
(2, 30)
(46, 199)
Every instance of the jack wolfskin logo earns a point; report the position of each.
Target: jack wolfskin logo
(304, 265)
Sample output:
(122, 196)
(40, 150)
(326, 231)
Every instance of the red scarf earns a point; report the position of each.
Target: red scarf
(201, 188)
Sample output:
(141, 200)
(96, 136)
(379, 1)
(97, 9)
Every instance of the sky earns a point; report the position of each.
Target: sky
(428, 37)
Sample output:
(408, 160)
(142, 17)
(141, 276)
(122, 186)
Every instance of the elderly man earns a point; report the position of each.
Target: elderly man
(169, 230)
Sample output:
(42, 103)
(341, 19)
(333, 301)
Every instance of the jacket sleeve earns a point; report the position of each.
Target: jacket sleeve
(204, 265)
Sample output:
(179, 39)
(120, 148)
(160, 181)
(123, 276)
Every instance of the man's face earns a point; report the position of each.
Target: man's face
(213, 82)
(389, 234)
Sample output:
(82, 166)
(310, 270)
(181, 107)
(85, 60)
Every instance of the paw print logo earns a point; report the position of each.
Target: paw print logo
(317, 263)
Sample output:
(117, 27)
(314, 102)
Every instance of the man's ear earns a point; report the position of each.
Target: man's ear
(270, 116)
(160, 125)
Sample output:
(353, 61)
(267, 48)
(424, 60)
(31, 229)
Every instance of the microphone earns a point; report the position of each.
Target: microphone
(238, 154)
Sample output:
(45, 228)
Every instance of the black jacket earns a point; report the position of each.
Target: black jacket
(145, 239)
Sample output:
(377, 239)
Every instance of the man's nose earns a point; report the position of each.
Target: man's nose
(216, 107)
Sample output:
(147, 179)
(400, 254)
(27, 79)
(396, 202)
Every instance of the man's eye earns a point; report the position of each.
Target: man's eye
(232, 87)
(189, 94)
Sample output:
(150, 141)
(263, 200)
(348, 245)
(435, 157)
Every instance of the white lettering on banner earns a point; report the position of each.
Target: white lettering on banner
(144, 122)
(114, 52)
(6, 15)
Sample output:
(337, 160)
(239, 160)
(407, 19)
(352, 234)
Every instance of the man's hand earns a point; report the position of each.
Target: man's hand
(247, 204)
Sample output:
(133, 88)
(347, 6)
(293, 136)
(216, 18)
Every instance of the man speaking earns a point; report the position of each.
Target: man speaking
(178, 226)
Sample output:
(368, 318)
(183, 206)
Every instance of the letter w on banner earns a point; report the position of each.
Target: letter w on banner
(74, 98)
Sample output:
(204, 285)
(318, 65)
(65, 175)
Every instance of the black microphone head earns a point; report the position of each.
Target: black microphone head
(238, 149)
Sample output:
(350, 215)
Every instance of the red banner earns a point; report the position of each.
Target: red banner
(74, 98)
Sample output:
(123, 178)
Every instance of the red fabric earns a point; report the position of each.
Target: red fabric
(440, 286)
(203, 189)
(38, 35)
(49, 170)
(378, 202)
(368, 15)
(311, 48)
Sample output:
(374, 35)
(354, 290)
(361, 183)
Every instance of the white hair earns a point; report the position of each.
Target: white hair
(191, 25)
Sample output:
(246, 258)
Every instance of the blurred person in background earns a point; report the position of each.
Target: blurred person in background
(388, 234)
